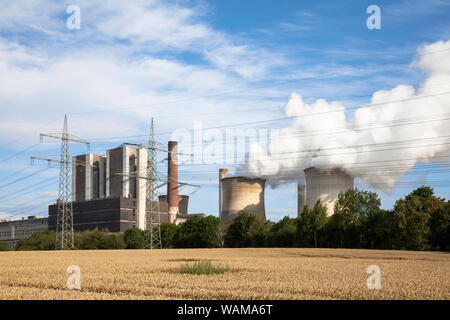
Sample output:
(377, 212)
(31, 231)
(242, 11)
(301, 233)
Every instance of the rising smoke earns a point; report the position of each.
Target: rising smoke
(379, 142)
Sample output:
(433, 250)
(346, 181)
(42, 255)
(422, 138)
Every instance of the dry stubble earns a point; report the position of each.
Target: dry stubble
(254, 274)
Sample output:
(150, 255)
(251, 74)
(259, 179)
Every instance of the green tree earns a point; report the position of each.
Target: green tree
(413, 214)
(440, 228)
(382, 230)
(198, 233)
(351, 212)
(134, 238)
(209, 237)
(310, 223)
(4, 246)
(282, 233)
(245, 231)
(168, 232)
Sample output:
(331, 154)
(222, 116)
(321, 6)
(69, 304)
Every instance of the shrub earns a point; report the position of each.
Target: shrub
(203, 267)
(44, 240)
(4, 246)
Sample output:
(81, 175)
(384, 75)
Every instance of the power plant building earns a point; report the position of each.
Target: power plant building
(115, 214)
(13, 231)
(241, 194)
(97, 177)
(323, 185)
(107, 195)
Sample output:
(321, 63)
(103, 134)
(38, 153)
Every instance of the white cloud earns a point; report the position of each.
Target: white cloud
(402, 104)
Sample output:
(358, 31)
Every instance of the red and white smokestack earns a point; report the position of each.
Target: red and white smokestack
(172, 185)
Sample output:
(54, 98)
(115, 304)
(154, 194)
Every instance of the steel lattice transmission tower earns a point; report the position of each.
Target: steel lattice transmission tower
(64, 216)
(153, 220)
(152, 193)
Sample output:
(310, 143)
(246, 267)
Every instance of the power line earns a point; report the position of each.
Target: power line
(283, 118)
(18, 153)
(23, 178)
(341, 129)
(32, 187)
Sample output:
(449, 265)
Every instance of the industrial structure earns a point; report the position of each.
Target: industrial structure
(96, 177)
(118, 190)
(13, 231)
(108, 195)
(64, 212)
(323, 185)
(240, 194)
(114, 191)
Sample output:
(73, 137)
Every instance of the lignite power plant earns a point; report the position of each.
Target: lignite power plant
(105, 195)
(102, 199)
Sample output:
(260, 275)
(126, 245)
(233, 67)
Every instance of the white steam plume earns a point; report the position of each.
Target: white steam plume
(402, 123)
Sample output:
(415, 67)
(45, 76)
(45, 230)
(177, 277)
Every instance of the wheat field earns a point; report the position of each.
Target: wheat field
(293, 273)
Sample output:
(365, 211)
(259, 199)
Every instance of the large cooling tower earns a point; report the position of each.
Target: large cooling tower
(242, 194)
(326, 186)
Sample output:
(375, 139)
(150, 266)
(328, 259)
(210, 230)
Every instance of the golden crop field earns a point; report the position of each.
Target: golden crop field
(254, 274)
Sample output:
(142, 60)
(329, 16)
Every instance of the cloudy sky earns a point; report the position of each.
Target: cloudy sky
(221, 63)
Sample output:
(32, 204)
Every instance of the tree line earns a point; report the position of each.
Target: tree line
(419, 221)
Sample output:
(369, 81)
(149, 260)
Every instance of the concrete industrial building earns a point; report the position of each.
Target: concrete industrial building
(105, 196)
(323, 185)
(115, 214)
(240, 194)
(13, 231)
(97, 177)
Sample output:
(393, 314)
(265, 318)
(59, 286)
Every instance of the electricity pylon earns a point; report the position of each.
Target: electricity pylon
(152, 193)
(64, 216)
(152, 219)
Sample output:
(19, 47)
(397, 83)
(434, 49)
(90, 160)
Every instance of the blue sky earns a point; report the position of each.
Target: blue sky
(219, 62)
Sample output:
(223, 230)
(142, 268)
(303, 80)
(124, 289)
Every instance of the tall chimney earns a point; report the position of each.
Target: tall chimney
(172, 185)
(222, 174)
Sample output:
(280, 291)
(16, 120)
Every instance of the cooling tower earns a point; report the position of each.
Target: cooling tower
(301, 198)
(222, 173)
(326, 186)
(242, 194)
(183, 202)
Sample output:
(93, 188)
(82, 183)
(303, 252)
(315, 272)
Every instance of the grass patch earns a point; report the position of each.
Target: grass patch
(203, 267)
